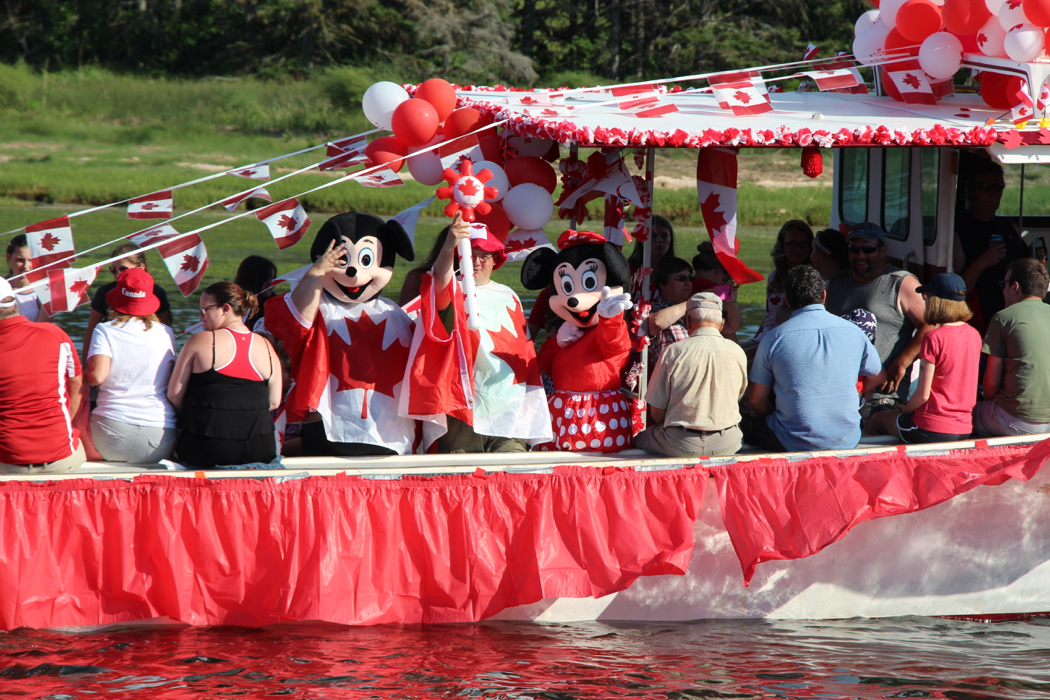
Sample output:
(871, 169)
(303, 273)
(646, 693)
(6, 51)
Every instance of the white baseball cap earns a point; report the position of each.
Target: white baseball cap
(6, 291)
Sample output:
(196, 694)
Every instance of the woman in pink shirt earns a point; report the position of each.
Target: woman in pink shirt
(940, 409)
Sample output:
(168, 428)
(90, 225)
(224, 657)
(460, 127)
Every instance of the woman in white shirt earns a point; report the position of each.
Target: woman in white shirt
(130, 359)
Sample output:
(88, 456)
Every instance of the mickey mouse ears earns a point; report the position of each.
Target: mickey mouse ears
(572, 238)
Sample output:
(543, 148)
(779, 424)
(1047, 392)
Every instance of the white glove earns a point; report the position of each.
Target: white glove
(613, 305)
(568, 334)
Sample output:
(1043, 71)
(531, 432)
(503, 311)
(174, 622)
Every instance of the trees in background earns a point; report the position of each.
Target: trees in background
(483, 41)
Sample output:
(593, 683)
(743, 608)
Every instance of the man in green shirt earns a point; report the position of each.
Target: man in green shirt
(1017, 376)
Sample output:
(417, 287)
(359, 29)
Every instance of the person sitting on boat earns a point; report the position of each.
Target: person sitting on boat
(225, 383)
(477, 390)
(674, 278)
(585, 357)
(256, 275)
(39, 380)
(19, 262)
(348, 345)
(709, 276)
(830, 254)
(985, 243)
(810, 363)
(694, 393)
(1017, 347)
(130, 359)
(891, 294)
(791, 249)
(940, 409)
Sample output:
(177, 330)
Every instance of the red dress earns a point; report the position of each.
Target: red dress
(588, 410)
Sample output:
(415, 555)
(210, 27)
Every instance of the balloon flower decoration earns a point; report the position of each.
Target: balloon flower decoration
(467, 191)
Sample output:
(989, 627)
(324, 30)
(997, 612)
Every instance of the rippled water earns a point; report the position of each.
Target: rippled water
(898, 658)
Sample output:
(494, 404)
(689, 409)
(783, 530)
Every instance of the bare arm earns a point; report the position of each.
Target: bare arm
(444, 264)
(993, 376)
(873, 380)
(93, 320)
(734, 318)
(98, 367)
(307, 294)
(274, 385)
(657, 414)
(760, 399)
(665, 318)
(180, 376)
(922, 392)
(913, 307)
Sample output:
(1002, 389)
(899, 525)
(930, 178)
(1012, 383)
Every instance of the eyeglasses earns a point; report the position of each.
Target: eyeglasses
(682, 278)
(116, 270)
(795, 245)
(202, 309)
(483, 257)
(866, 249)
(990, 186)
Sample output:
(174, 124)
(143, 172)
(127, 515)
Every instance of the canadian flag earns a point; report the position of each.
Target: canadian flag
(742, 98)
(66, 289)
(642, 101)
(834, 79)
(233, 202)
(287, 221)
(345, 153)
(811, 52)
(523, 241)
(716, 189)
(1022, 112)
(913, 86)
(186, 259)
(153, 235)
(252, 172)
(151, 206)
(384, 177)
(348, 145)
(49, 242)
(451, 152)
(1044, 97)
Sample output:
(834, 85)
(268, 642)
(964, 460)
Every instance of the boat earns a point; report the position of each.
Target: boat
(879, 531)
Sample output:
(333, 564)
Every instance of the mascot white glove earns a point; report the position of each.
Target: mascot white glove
(613, 305)
(568, 334)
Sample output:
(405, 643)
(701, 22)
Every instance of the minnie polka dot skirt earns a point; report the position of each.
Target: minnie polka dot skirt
(592, 422)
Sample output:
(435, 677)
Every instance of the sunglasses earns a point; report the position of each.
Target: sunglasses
(866, 249)
(682, 278)
(990, 186)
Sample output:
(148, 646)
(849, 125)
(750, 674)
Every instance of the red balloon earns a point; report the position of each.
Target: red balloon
(496, 220)
(531, 169)
(917, 19)
(492, 148)
(553, 154)
(998, 90)
(439, 93)
(1037, 12)
(964, 16)
(464, 121)
(387, 149)
(970, 44)
(898, 46)
(414, 122)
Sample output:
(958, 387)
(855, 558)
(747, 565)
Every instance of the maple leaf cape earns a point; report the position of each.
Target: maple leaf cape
(489, 379)
(347, 366)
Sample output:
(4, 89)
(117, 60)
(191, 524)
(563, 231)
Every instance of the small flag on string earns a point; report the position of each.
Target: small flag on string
(384, 177)
(347, 145)
(151, 206)
(450, 152)
(252, 172)
(153, 235)
(233, 202)
(811, 52)
(834, 79)
(287, 221)
(843, 63)
(49, 241)
(742, 98)
(186, 259)
(66, 289)
(913, 86)
(345, 153)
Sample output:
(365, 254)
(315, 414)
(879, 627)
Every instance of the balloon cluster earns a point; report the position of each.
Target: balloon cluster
(934, 34)
(521, 179)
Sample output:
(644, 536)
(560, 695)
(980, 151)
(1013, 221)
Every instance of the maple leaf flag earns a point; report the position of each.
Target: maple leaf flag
(716, 189)
(65, 289)
(523, 241)
(1044, 97)
(186, 259)
(151, 206)
(286, 220)
(252, 172)
(1022, 111)
(345, 153)
(384, 177)
(450, 153)
(743, 98)
(233, 202)
(811, 52)
(914, 87)
(49, 242)
(834, 79)
(153, 235)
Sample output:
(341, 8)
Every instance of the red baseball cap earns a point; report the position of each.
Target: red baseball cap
(133, 294)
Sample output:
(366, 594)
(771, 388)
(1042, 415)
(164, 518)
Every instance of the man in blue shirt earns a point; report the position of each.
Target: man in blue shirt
(811, 364)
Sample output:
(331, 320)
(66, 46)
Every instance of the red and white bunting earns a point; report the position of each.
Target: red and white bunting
(742, 98)
(287, 221)
(233, 202)
(186, 260)
(49, 241)
(913, 86)
(66, 289)
(153, 235)
(151, 206)
(345, 153)
(533, 99)
(384, 177)
(347, 145)
(451, 152)
(522, 241)
(550, 112)
(643, 101)
(811, 52)
(716, 178)
(252, 172)
(834, 79)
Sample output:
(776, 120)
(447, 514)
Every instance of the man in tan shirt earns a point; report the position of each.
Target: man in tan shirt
(695, 390)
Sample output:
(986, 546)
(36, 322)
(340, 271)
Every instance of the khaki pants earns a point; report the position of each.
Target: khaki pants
(462, 438)
(61, 466)
(676, 441)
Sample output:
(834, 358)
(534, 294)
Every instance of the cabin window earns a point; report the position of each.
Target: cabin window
(853, 190)
(896, 181)
(930, 185)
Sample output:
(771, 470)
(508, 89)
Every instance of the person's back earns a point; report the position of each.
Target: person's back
(137, 386)
(1020, 335)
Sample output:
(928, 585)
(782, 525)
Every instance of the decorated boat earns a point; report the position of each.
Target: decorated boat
(881, 530)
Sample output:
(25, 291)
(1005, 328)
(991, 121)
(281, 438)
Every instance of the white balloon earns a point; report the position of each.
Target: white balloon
(498, 180)
(888, 11)
(870, 46)
(380, 101)
(1024, 44)
(528, 206)
(940, 55)
(1010, 17)
(990, 38)
(528, 146)
(865, 22)
(426, 168)
(993, 6)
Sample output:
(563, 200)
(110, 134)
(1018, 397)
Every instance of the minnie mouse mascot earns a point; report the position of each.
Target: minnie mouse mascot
(586, 355)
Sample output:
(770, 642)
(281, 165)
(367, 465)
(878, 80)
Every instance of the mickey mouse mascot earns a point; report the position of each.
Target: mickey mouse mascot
(586, 355)
(348, 345)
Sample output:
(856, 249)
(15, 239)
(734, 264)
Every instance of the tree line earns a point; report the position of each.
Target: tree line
(518, 42)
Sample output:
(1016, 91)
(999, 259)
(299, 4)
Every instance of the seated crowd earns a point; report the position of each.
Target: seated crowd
(849, 343)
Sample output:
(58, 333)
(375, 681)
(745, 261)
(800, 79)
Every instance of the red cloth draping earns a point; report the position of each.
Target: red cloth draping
(780, 509)
(337, 548)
